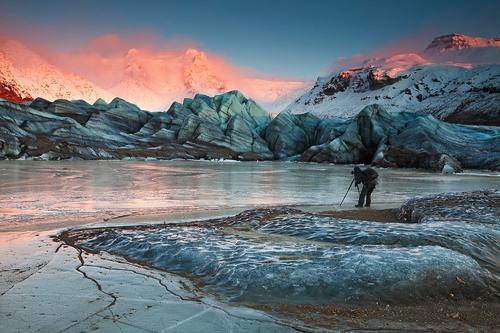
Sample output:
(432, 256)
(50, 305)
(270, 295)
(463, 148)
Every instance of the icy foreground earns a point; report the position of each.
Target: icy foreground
(231, 126)
(288, 256)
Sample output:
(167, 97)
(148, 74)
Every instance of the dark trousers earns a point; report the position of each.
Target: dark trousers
(366, 191)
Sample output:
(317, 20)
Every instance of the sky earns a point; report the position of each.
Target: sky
(293, 39)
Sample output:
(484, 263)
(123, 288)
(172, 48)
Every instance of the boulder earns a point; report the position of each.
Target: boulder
(40, 104)
(243, 138)
(77, 110)
(449, 164)
(157, 122)
(228, 120)
(100, 103)
(401, 157)
(289, 134)
(447, 170)
(361, 138)
(469, 146)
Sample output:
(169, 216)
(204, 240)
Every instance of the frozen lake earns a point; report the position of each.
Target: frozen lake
(36, 192)
(254, 259)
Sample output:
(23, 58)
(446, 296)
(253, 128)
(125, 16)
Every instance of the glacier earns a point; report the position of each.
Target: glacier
(284, 255)
(232, 126)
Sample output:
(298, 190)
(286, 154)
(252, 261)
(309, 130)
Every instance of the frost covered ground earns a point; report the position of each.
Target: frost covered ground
(324, 259)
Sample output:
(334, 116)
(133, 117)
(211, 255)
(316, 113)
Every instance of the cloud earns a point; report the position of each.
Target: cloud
(402, 54)
(153, 71)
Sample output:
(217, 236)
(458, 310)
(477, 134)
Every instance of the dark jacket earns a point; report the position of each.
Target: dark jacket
(365, 177)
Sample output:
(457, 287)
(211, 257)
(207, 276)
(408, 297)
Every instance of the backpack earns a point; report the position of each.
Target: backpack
(370, 174)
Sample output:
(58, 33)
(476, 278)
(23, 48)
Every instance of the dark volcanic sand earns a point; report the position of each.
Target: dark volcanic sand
(445, 316)
(365, 214)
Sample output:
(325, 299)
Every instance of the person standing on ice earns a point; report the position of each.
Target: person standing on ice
(367, 177)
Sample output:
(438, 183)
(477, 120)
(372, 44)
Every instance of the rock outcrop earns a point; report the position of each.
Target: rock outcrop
(230, 126)
(480, 207)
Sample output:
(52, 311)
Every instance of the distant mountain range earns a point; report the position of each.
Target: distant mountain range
(456, 78)
(152, 81)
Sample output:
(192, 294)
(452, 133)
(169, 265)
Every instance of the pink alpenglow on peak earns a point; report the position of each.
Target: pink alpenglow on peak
(458, 42)
(151, 77)
(454, 77)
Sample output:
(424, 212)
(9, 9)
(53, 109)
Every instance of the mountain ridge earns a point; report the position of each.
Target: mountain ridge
(151, 80)
(428, 82)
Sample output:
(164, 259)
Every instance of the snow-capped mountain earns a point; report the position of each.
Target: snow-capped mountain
(454, 78)
(25, 75)
(152, 80)
(460, 42)
(463, 50)
(198, 76)
(155, 81)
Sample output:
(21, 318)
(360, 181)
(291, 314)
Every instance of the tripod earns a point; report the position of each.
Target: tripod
(352, 182)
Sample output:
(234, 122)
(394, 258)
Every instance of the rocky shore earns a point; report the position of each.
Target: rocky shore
(230, 126)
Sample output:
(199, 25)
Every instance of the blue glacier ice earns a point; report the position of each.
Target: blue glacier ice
(288, 256)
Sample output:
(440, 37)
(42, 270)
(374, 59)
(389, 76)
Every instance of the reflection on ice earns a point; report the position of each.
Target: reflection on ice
(288, 256)
(44, 191)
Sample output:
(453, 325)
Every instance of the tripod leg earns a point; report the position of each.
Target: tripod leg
(346, 193)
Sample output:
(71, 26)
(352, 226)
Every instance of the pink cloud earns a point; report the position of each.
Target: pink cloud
(153, 72)
(392, 57)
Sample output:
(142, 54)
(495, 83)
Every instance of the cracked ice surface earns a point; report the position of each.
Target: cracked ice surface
(114, 296)
(321, 259)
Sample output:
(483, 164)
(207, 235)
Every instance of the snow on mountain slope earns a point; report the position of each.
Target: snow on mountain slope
(460, 42)
(25, 75)
(198, 75)
(155, 81)
(150, 79)
(274, 95)
(454, 73)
